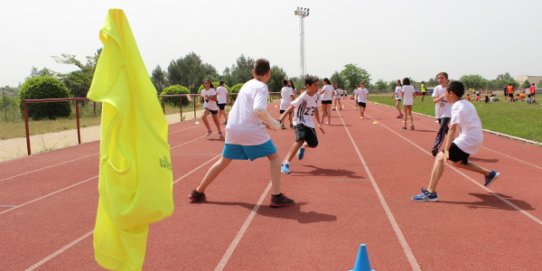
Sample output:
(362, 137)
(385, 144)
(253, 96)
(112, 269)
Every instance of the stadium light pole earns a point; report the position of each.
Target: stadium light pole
(302, 13)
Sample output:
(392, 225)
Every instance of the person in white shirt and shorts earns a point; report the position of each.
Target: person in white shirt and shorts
(443, 111)
(398, 97)
(222, 94)
(360, 95)
(408, 93)
(326, 96)
(208, 93)
(247, 137)
(286, 97)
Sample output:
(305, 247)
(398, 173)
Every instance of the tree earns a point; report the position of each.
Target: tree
(502, 80)
(158, 79)
(190, 71)
(241, 71)
(474, 81)
(7, 103)
(381, 85)
(526, 84)
(336, 78)
(277, 76)
(78, 82)
(352, 75)
(45, 87)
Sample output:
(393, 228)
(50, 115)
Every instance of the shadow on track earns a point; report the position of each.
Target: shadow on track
(489, 201)
(317, 171)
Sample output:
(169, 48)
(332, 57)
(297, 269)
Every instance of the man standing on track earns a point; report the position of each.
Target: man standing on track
(464, 118)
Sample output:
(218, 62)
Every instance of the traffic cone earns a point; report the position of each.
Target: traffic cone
(362, 261)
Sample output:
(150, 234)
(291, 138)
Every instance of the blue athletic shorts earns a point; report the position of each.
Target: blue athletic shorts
(240, 152)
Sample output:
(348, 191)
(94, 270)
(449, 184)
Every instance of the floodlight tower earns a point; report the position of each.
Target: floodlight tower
(302, 13)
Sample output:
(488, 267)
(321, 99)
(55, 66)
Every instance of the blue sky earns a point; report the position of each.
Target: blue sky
(389, 38)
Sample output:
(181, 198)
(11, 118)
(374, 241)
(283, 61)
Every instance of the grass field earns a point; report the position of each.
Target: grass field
(518, 119)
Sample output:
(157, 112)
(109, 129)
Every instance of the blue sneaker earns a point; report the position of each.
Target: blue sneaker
(493, 175)
(425, 196)
(285, 168)
(300, 153)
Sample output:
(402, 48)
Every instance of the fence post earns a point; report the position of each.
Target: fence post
(25, 106)
(195, 101)
(181, 106)
(77, 120)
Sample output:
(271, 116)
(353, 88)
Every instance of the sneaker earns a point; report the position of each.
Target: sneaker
(425, 196)
(196, 196)
(434, 153)
(493, 175)
(300, 153)
(285, 168)
(280, 200)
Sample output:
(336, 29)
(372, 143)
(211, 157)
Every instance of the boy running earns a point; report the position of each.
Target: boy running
(305, 106)
(465, 118)
(246, 135)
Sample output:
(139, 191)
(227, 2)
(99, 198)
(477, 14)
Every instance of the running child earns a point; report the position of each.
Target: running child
(305, 107)
(397, 95)
(210, 107)
(466, 120)
(327, 94)
(286, 97)
(337, 93)
(246, 135)
(408, 95)
(443, 111)
(222, 94)
(360, 96)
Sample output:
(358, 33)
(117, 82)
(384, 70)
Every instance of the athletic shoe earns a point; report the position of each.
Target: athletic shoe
(196, 196)
(300, 153)
(425, 196)
(285, 168)
(280, 200)
(434, 152)
(493, 175)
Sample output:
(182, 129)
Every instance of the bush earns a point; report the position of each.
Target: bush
(45, 87)
(175, 89)
(215, 85)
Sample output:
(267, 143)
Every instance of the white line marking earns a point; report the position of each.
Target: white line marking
(509, 203)
(8, 206)
(242, 231)
(400, 236)
(48, 195)
(513, 158)
(60, 251)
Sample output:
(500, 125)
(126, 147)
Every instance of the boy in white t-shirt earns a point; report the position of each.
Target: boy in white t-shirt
(305, 107)
(286, 97)
(443, 111)
(360, 95)
(464, 118)
(222, 95)
(247, 137)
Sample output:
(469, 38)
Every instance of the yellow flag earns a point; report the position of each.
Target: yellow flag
(136, 178)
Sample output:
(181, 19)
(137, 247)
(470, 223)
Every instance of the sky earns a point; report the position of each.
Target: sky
(391, 39)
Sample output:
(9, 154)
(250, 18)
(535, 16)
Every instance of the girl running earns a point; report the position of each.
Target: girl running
(408, 92)
(210, 107)
(326, 94)
(398, 97)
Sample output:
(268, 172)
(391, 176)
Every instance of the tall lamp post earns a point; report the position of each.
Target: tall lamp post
(302, 13)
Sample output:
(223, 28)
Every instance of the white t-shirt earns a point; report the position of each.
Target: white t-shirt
(327, 92)
(209, 104)
(285, 97)
(337, 93)
(408, 94)
(442, 109)
(222, 93)
(305, 106)
(470, 136)
(244, 127)
(398, 90)
(361, 95)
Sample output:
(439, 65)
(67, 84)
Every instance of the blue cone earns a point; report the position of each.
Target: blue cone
(362, 261)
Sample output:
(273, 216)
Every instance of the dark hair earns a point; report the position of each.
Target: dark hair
(398, 81)
(406, 81)
(292, 82)
(309, 80)
(457, 88)
(221, 82)
(327, 81)
(284, 82)
(445, 74)
(261, 67)
(210, 83)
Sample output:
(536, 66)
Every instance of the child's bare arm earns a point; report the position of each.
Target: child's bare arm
(267, 119)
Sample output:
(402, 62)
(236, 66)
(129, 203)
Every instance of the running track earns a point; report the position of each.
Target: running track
(354, 188)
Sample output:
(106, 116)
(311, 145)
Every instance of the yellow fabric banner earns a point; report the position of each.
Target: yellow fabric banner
(136, 179)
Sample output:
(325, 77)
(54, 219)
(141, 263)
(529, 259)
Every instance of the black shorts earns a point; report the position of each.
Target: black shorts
(424, 93)
(511, 95)
(282, 111)
(221, 106)
(326, 102)
(306, 134)
(455, 154)
(362, 104)
(213, 112)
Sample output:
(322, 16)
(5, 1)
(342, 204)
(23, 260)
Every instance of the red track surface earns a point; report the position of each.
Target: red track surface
(355, 187)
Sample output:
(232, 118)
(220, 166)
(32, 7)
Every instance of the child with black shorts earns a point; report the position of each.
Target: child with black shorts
(247, 137)
(208, 93)
(305, 107)
(222, 100)
(465, 118)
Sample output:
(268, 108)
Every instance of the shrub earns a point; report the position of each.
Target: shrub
(215, 84)
(175, 89)
(234, 90)
(45, 87)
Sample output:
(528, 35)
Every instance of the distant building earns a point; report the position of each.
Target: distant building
(532, 79)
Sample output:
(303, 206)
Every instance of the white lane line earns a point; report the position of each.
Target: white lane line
(76, 241)
(60, 251)
(511, 157)
(400, 236)
(242, 231)
(48, 195)
(509, 203)
(43, 168)
(8, 206)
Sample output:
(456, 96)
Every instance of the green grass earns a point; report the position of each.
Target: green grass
(517, 119)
